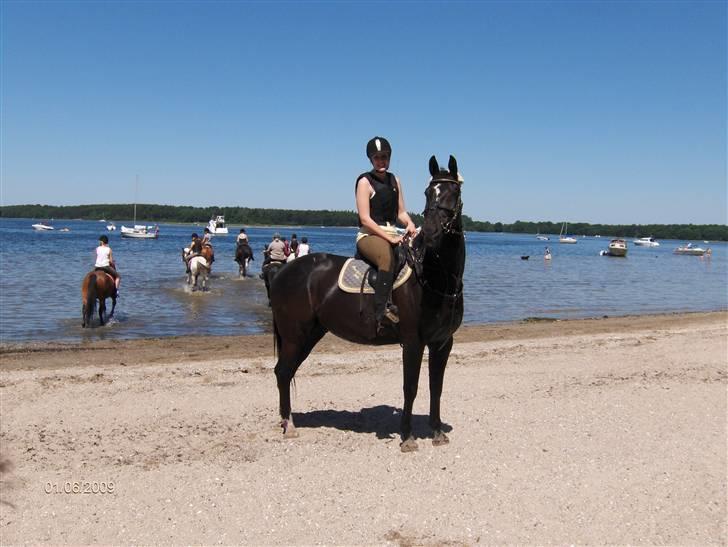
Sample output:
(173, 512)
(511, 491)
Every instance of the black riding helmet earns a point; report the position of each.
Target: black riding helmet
(195, 236)
(378, 145)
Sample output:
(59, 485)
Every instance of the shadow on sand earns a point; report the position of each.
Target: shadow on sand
(382, 420)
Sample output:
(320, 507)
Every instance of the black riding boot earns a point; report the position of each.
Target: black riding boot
(382, 294)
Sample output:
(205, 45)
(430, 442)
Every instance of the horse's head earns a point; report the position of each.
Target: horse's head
(443, 206)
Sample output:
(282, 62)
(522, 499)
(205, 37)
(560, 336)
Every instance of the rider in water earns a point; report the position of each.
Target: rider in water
(275, 252)
(195, 249)
(105, 261)
(380, 204)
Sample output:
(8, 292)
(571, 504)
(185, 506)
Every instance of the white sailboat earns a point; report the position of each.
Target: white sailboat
(563, 234)
(139, 231)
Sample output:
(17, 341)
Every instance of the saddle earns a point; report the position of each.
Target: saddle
(358, 275)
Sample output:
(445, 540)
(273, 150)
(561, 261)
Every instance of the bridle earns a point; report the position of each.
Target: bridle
(449, 226)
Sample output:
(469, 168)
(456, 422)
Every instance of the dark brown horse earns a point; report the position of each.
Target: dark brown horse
(307, 303)
(243, 255)
(97, 285)
(269, 270)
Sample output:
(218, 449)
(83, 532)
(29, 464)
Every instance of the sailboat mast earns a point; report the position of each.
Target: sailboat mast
(136, 191)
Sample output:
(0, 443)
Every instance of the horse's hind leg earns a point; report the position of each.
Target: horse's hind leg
(102, 310)
(291, 353)
(439, 355)
(113, 306)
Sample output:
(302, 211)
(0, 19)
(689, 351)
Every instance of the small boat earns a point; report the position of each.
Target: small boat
(563, 237)
(42, 227)
(689, 249)
(542, 238)
(64, 230)
(646, 242)
(217, 225)
(111, 227)
(617, 247)
(140, 231)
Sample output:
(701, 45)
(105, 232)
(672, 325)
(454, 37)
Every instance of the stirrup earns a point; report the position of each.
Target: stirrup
(392, 313)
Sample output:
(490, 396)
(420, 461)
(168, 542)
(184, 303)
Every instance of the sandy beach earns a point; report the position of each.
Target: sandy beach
(604, 431)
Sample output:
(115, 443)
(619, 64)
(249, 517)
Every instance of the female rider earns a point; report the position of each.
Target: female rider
(380, 204)
(105, 261)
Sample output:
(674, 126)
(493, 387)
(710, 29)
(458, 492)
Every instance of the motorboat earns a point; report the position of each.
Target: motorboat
(217, 225)
(542, 238)
(42, 227)
(646, 242)
(690, 249)
(563, 237)
(617, 247)
(140, 231)
(111, 227)
(64, 230)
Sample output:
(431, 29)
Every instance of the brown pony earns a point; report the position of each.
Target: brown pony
(97, 285)
(307, 303)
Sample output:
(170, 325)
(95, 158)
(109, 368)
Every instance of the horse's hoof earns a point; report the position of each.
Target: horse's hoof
(440, 439)
(289, 431)
(409, 445)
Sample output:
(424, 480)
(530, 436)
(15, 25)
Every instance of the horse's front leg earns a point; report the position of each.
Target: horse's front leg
(439, 354)
(411, 363)
(113, 306)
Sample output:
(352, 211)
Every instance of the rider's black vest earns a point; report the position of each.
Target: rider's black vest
(384, 204)
(196, 246)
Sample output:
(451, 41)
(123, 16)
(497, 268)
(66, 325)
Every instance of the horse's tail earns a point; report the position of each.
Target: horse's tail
(89, 303)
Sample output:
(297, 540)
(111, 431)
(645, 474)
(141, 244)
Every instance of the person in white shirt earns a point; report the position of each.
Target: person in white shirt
(303, 247)
(105, 261)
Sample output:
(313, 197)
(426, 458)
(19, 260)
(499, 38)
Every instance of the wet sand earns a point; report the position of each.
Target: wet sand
(606, 431)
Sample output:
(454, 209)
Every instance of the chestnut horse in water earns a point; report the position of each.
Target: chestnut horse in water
(307, 303)
(97, 285)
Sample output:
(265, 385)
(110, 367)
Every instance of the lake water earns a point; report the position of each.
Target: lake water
(41, 273)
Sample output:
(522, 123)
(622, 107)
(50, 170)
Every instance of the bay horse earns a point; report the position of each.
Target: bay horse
(269, 272)
(243, 255)
(200, 265)
(96, 285)
(307, 303)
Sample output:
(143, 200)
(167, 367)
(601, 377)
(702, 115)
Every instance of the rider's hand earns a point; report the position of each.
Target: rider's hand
(395, 239)
(411, 229)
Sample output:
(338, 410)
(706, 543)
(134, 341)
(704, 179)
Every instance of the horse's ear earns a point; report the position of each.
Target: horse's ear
(452, 165)
(434, 166)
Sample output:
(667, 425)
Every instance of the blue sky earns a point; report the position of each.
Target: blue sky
(609, 112)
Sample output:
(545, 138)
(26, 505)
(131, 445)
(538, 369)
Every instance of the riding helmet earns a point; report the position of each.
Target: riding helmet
(195, 236)
(378, 145)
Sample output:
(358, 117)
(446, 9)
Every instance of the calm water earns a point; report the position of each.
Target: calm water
(41, 273)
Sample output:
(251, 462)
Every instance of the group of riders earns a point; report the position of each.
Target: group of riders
(379, 204)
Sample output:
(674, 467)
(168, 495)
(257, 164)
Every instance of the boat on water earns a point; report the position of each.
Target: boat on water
(542, 237)
(692, 250)
(64, 230)
(617, 247)
(140, 231)
(217, 225)
(563, 234)
(42, 227)
(111, 227)
(646, 242)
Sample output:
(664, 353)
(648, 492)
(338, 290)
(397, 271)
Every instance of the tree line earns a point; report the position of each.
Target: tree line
(295, 217)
